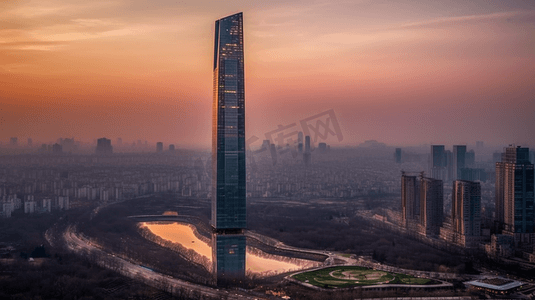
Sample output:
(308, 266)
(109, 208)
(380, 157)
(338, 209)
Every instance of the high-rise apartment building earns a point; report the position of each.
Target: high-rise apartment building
(466, 212)
(228, 151)
(514, 193)
(459, 160)
(431, 205)
(410, 198)
(422, 203)
(159, 147)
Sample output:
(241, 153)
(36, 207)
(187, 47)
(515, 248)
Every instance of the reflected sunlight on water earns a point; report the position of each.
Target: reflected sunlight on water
(184, 234)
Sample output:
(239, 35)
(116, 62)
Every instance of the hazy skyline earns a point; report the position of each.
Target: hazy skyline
(402, 73)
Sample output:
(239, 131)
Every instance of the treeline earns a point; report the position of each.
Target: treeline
(315, 228)
(65, 276)
(116, 233)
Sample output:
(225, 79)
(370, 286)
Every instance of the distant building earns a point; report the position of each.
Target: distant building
(514, 194)
(307, 155)
(29, 207)
(159, 147)
(47, 205)
(437, 156)
(171, 148)
(273, 151)
(397, 155)
(470, 158)
(473, 174)
(13, 141)
(68, 145)
(265, 145)
(104, 146)
(437, 165)
(62, 203)
(57, 148)
(300, 142)
(6, 208)
(448, 155)
(322, 147)
(495, 286)
(459, 160)
(466, 212)
(119, 141)
(30, 142)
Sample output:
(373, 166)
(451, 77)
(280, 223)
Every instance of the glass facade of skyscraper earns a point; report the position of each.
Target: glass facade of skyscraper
(515, 191)
(228, 128)
(228, 257)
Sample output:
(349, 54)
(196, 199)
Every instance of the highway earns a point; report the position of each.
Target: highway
(82, 246)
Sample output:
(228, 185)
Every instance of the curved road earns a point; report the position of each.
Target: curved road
(81, 245)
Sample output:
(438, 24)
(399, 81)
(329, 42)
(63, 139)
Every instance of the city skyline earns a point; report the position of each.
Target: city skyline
(402, 73)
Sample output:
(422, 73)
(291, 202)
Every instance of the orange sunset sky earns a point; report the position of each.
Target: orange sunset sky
(400, 72)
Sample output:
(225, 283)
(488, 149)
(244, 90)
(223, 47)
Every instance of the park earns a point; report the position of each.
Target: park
(353, 276)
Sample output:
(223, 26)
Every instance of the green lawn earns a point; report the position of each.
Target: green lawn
(348, 276)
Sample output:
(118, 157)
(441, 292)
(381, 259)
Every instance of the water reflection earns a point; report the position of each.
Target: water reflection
(228, 254)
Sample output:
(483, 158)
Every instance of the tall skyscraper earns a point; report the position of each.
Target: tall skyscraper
(228, 129)
(514, 193)
(159, 147)
(459, 160)
(228, 151)
(466, 212)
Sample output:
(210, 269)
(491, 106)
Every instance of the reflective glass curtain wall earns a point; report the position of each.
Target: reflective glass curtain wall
(228, 128)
